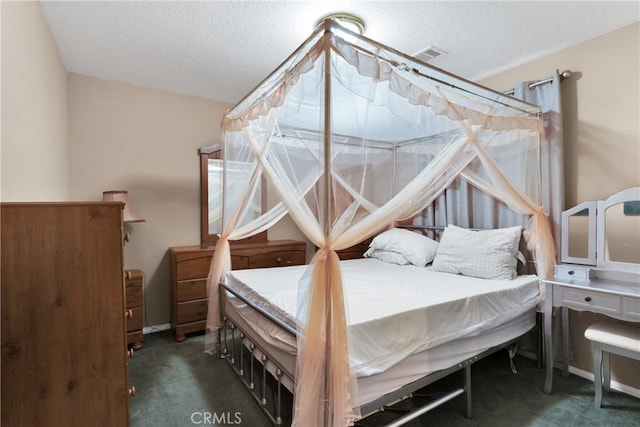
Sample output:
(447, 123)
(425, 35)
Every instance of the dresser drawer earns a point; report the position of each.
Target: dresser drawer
(190, 290)
(631, 308)
(193, 268)
(276, 259)
(134, 296)
(135, 321)
(198, 268)
(191, 311)
(577, 272)
(583, 299)
(239, 262)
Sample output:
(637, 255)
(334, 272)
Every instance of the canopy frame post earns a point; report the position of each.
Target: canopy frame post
(327, 217)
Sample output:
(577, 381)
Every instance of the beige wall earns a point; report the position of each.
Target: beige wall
(146, 141)
(125, 137)
(601, 110)
(34, 108)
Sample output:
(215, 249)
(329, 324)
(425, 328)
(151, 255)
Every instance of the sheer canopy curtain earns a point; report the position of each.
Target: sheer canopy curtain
(466, 205)
(352, 136)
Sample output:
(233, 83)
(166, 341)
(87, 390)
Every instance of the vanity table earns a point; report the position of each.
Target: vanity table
(604, 277)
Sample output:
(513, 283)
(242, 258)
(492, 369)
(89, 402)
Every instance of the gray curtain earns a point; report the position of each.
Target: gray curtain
(548, 96)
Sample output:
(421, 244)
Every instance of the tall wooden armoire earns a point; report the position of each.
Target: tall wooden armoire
(63, 315)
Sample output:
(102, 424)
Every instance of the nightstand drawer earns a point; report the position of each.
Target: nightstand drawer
(135, 321)
(276, 259)
(133, 277)
(134, 296)
(135, 337)
(577, 272)
(192, 311)
(586, 299)
(190, 290)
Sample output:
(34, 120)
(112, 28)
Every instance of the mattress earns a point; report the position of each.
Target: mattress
(393, 311)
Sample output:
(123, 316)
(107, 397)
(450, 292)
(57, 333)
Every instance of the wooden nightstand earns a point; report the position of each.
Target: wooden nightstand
(133, 280)
(190, 266)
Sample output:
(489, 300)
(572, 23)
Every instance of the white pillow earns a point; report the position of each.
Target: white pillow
(416, 248)
(386, 256)
(488, 254)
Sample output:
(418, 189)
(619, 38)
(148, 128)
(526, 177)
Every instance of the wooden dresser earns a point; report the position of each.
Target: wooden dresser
(134, 302)
(190, 267)
(63, 315)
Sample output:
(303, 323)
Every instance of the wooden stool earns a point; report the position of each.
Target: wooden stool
(611, 337)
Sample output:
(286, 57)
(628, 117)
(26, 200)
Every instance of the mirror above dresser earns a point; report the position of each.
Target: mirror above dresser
(212, 176)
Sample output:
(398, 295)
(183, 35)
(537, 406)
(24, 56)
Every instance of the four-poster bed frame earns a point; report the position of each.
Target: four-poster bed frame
(242, 349)
(302, 94)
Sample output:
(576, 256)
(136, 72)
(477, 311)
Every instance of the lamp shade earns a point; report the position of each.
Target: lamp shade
(129, 214)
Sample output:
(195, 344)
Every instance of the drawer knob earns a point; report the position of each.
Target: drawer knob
(587, 299)
(132, 391)
(128, 314)
(279, 260)
(570, 272)
(130, 353)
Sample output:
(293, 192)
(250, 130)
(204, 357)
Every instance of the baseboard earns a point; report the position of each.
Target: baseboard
(615, 385)
(156, 328)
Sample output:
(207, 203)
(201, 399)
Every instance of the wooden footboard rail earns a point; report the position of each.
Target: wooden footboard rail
(235, 343)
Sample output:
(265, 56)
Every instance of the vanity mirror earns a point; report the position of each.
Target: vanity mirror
(605, 234)
(211, 182)
(618, 231)
(579, 234)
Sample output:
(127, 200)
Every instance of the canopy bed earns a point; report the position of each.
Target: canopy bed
(352, 137)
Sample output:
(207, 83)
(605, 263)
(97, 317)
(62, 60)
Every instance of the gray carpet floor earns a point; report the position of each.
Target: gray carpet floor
(177, 384)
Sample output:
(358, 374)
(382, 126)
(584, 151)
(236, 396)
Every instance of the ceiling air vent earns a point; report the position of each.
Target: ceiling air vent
(428, 53)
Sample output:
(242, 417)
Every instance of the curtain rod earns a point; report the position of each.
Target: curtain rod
(563, 76)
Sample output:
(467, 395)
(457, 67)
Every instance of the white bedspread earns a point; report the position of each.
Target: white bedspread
(395, 311)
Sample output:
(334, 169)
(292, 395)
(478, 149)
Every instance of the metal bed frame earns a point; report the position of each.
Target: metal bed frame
(235, 344)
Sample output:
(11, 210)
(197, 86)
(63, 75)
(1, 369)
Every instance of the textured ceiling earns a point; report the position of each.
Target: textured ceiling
(223, 49)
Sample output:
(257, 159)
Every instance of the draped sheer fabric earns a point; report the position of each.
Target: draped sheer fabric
(352, 136)
(467, 203)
